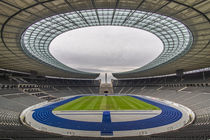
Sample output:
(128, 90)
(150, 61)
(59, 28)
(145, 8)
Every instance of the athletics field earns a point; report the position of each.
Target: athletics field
(106, 103)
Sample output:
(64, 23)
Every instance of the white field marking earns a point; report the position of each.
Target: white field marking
(88, 116)
(116, 116)
(123, 116)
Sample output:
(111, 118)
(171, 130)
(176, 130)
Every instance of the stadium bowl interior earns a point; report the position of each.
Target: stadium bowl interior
(30, 75)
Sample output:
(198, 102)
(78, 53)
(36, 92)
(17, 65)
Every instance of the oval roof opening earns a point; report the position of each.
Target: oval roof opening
(106, 49)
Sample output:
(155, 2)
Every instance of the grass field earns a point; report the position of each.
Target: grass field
(106, 103)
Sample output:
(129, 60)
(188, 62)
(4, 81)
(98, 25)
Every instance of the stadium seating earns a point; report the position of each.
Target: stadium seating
(20, 91)
(193, 93)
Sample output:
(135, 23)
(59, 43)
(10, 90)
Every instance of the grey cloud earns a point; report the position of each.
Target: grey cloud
(106, 49)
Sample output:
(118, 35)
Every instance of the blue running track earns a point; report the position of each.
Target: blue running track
(45, 116)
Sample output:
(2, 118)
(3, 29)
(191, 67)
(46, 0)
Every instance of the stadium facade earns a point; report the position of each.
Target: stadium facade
(28, 68)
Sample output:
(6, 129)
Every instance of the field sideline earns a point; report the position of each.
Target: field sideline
(106, 103)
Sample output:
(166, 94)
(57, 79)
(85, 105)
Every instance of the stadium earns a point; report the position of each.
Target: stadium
(43, 99)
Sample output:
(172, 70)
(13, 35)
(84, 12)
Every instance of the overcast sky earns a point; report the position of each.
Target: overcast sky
(106, 49)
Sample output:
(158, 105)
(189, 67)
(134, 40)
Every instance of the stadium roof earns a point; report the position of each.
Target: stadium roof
(28, 27)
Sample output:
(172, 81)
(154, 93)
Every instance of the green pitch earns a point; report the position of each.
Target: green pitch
(106, 103)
